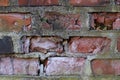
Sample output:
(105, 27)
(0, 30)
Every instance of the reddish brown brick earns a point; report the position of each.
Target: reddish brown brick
(64, 66)
(6, 68)
(42, 44)
(26, 66)
(89, 2)
(88, 45)
(37, 2)
(105, 21)
(58, 21)
(4, 2)
(106, 67)
(14, 22)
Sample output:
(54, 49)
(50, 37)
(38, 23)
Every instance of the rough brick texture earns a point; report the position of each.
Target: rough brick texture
(88, 45)
(89, 2)
(64, 66)
(117, 1)
(6, 45)
(106, 67)
(14, 22)
(15, 66)
(59, 21)
(37, 2)
(105, 21)
(4, 2)
(42, 44)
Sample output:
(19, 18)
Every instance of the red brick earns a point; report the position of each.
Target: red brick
(6, 68)
(14, 22)
(106, 67)
(89, 2)
(88, 45)
(117, 1)
(105, 21)
(26, 66)
(57, 21)
(42, 44)
(64, 66)
(37, 2)
(4, 2)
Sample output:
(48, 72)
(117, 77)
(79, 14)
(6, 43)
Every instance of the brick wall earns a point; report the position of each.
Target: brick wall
(59, 39)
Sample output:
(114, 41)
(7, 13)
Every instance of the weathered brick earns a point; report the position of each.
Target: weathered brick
(6, 45)
(105, 21)
(89, 44)
(4, 2)
(6, 68)
(106, 67)
(15, 66)
(59, 21)
(26, 66)
(89, 2)
(37, 2)
(64, 66)
(117, 1)
(42, 44)
(14, 22)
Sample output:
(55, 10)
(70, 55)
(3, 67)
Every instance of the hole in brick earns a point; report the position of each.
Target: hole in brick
(42, 44)
(60, 21)
(106, 66)
(105, 21)
(15, 22)
(64, 66)
(6, 45)
(88, 45)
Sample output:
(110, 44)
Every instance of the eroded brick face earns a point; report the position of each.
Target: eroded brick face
(37, 2)
(16, 66)
(26, 66)
(106, 67)
(89, 2)
(6, 45)
(42, 44)
(105, 21)
(14, 22)
(59, 21)
(4, 2)
(117, 1)
(64, 66)
(88, 45)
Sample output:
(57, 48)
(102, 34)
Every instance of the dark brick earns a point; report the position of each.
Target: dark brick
(6, 45)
